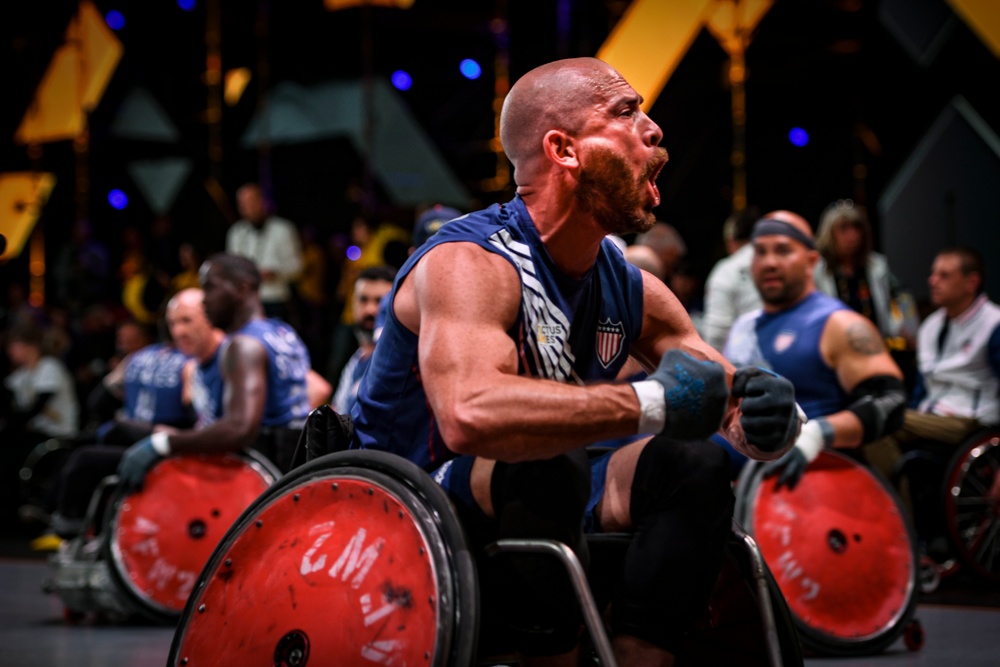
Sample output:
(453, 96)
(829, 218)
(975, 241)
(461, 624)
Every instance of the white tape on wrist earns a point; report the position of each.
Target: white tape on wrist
(161, 443)
(810, 441)
(653, 406)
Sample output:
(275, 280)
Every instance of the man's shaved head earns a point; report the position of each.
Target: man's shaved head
(556, 95)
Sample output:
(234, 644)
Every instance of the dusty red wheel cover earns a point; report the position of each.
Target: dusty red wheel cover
(338, 571)
(164, 534)
(838, 547)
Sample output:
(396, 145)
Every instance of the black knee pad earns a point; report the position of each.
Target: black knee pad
(542, 500)
(681, 509)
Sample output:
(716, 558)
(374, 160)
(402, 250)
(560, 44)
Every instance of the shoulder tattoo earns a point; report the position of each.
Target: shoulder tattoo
(862, 338)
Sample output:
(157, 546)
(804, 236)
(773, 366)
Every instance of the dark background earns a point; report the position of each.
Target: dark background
(833, 67)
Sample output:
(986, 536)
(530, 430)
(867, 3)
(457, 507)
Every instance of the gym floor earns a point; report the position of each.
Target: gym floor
(960, 621)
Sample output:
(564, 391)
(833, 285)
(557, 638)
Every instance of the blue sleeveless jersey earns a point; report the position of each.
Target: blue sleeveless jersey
(788, 343)
(287, 402)
(207, 389)
(153, 386)
(287, 365)
(567, 330)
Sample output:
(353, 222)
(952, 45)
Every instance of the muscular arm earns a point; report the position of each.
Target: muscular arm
(462, 302)
(853, 347)
(244, 371)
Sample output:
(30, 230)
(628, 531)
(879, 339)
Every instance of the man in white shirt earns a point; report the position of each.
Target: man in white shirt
(730, 290)
(271, 242)
(958, 354)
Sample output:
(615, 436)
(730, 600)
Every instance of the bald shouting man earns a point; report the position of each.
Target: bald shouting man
(845, 380)
(496, 367)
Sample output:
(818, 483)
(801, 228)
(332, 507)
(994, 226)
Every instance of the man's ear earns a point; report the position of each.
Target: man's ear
(560, 148)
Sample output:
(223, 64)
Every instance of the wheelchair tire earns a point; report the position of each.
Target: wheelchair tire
(355, 558)
(157, 541)
(971, 497)
(841, 550)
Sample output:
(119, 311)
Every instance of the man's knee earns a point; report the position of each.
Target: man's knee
(541, 500)
(554, 490)
(677, 474)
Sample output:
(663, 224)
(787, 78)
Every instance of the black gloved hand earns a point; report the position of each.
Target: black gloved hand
(695, 395)
(791, 466)
(138, 460)
(770, 418)
(327, 432)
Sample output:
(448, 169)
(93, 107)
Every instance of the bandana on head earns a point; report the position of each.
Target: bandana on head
(770, 227)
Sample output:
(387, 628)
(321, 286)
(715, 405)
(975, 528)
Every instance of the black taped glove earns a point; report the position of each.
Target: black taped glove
(770, 417)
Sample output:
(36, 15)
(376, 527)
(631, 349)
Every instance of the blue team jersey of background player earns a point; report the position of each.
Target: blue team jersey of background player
(788, 343)
(287, 402)
(153, 386)
(567, 329)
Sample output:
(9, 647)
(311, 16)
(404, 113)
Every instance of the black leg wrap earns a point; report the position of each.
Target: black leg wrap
(681, 507)
(546, 500)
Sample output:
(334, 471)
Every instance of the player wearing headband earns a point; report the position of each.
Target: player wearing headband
(846, 382)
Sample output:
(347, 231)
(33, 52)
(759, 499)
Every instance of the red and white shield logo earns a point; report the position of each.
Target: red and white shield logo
(783, 341)
(610, 338)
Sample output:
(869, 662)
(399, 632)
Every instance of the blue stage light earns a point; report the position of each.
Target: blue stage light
(115, 19)
(798, 137)
(401, 80)
(117, 199)
(186, 5)
(470, 69)
(353, 253)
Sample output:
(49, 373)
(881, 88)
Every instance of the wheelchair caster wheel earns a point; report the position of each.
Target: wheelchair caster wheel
(913, 636)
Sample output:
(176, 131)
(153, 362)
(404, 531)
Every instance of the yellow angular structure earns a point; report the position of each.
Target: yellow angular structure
(74, 81)
(22, 196)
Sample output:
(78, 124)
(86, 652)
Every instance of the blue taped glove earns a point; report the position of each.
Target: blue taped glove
(695, 393)
(791, 466)
(770, 419)
(137, 461)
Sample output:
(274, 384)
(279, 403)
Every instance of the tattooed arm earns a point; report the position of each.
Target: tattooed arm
(853, 347)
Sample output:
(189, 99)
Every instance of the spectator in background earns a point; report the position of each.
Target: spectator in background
(668, 245)
(42, 404)
(851, 270)
(646, 259)
(371, 286)
(272, 243)
(958, 354)
(382, 244)
(729, 290)
(429, 222)
(190, 260)
(685, 283)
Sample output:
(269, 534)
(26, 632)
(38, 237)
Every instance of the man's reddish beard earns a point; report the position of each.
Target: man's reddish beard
(608, 192)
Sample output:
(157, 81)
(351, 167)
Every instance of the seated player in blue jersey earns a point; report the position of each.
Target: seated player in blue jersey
(497, 366)
(253, 392)
(150, 383)
(845, 380)
(156, 390)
